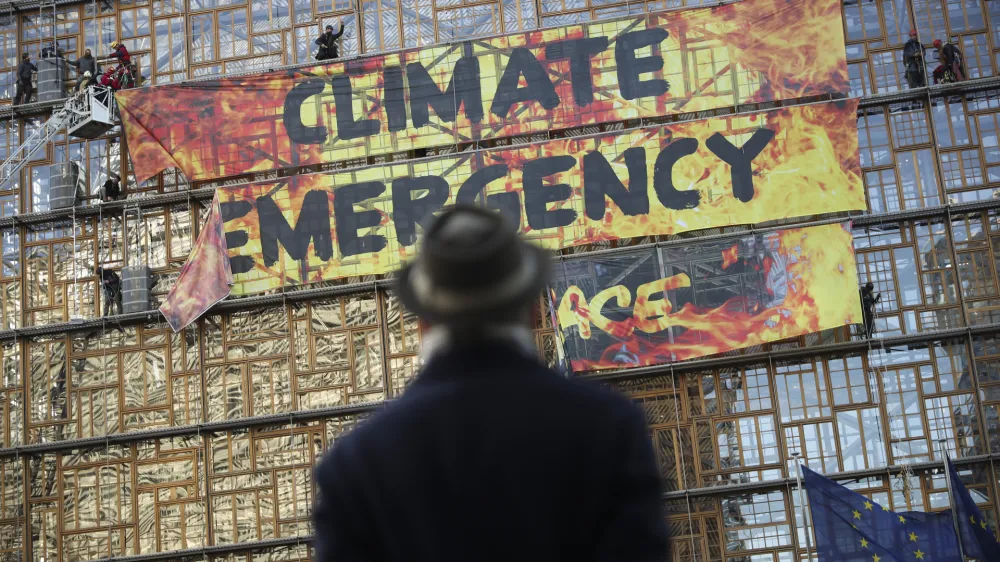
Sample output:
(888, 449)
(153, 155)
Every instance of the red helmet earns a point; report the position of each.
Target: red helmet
(937, 42)
(913, 33)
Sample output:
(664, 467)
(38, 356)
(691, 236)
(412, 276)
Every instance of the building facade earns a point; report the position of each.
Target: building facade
(119, 438)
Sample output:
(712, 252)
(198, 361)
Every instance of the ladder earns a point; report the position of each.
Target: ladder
(73, 113)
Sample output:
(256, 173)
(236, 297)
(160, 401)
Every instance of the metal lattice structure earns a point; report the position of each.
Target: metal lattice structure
(148, 445)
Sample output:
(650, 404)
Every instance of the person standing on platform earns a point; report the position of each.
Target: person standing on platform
(24, 88)
(869, 298)
(489, 455)
(112, 189)
(913, 61)
(87, 63)
(111, 286)
(328, 47)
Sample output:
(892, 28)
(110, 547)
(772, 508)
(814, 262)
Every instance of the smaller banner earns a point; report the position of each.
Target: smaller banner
(705, 297)
(205, 278)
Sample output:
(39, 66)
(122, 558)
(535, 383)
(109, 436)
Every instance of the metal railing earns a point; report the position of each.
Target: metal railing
(75, 110)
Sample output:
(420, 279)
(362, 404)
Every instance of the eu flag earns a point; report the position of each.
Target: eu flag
(978, 540)
(851, 528)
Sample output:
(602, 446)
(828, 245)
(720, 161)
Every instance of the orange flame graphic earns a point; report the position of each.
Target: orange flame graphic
(730, 255)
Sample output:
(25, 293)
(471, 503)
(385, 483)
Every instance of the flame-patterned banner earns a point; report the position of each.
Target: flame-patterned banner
(705, 297)
(795, 161)
(477, 90)
(205, 278)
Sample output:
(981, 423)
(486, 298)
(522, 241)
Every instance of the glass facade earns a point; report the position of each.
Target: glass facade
(142, 442)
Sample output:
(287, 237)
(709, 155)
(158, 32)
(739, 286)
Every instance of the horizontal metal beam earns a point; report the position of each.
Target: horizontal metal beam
(25, 5)
(29, 109)
(205, 194)
(191, 554)
(106, 208)
(932, 91)
(188, 430)
(604, 376)
(303, 294)
(871, 100)
(737, 360)
(769, 485)
(232, 305)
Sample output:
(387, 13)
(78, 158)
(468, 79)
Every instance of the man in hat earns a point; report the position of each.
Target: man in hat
(489, 455)
(327, 42)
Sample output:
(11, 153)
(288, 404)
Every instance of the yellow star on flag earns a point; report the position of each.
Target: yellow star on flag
(902, 519)
(855, 527)
(972, 519)
(868, 505)
(982, 523)
(913, 537)
(875, 558)
(864, 543)
(884, 508)
(857, 514)
(919, 554)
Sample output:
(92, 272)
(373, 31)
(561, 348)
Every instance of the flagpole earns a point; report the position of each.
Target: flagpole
(802, 502)
(951, 500)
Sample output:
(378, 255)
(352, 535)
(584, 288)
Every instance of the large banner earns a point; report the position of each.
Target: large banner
(796, 161)
(705, 297)
(647, 66)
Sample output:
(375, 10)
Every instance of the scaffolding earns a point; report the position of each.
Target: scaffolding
(89, 114)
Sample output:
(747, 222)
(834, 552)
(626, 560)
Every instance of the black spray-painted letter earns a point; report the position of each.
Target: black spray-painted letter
(347, 126)
(539, 87)
(463, 88)
(663, 176)
(631, 67)
(232, 210)
(347, 221)
(537, 195)
(408, 212)
(313, 224)
(292, 116)
(579, 52)
(600, 180)
(739, 159)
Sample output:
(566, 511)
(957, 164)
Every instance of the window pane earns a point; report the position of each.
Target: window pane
(201, 38)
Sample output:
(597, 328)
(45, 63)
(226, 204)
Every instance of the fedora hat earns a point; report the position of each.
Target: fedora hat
(472, 267)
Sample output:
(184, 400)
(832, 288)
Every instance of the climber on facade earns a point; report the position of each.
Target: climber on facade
(328, 48)
(24, 86)
(125, 72)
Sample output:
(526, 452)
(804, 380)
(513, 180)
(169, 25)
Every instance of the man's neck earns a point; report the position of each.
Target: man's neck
(440, 339)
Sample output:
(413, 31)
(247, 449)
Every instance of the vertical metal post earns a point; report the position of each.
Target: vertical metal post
(951, 498)
(802, 501)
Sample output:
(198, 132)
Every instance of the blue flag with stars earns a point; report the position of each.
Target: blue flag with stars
(978, 540)
(851, 528)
